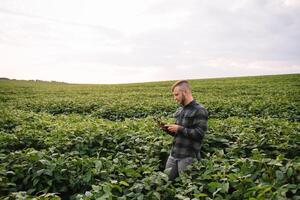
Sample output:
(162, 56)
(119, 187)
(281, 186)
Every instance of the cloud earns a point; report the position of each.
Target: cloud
(137, 41)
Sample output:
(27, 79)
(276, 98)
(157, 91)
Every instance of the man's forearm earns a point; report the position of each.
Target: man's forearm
(194, 133)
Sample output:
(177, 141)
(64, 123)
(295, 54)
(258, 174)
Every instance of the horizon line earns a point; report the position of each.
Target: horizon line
(154, 81)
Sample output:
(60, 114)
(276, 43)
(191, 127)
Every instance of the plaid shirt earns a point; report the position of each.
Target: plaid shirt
(193, 121)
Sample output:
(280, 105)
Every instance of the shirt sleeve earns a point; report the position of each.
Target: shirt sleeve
(199, 126)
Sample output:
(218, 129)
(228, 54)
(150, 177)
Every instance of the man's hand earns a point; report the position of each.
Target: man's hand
(172, 127)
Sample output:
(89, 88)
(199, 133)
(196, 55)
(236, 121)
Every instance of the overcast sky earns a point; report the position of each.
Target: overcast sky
(117, 41)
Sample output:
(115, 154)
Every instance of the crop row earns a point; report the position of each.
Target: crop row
(270, 96)
(72, 154)
(120, 109)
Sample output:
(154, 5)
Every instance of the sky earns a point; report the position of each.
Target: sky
(117, 41)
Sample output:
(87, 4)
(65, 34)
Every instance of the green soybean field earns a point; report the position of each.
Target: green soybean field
(97, 141)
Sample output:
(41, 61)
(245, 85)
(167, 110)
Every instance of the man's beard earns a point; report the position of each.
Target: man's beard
(182, 100)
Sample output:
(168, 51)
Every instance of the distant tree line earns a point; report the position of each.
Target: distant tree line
(37, 80)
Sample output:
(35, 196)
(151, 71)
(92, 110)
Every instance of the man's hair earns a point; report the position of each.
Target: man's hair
(182, 84)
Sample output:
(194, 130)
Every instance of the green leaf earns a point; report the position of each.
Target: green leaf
(290, 172)
(98, 165)
(117, 187)
(168, 171)
(96, 188)
(31, 191)
(10, 173)
(106, 189)
(124, 183)
(156, 194)
(279, 175)
(200, 195)
(35, 181)
(140, 197)
(48, 172)
(179, 196)
(25, 181)
(216, 191)
(212, 186)
(87, 177)
(45, 162)
(50, 182)
(225, 187)
(39, 172)
(11, 185)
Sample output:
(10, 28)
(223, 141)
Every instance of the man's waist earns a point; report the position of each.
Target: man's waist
(179, 155)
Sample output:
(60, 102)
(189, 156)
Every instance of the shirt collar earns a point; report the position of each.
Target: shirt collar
(189, 104)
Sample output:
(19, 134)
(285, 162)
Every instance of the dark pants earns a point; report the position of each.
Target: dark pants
(177, 165)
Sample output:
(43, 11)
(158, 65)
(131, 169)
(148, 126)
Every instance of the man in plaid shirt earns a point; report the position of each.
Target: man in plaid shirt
(188, 131)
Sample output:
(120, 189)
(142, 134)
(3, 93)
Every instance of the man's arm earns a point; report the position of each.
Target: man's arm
(199, 126)
(164, 127)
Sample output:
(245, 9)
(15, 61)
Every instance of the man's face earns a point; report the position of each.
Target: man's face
(178, 95)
